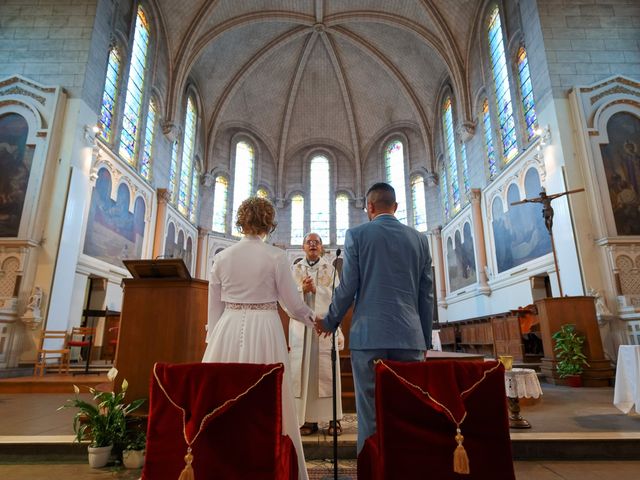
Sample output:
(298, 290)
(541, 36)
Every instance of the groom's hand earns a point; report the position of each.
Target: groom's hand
(320, 329)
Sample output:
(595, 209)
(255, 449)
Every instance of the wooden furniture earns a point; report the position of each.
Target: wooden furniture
(91, 319)
(580, 311)
(434, 355)
(163, 320)
(44, 352)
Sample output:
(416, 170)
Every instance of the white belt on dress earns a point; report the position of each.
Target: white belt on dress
(252, 306)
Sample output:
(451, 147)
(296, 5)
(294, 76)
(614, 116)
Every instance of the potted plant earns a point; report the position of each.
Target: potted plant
(133, 453)
(103, 422)
(568, 349)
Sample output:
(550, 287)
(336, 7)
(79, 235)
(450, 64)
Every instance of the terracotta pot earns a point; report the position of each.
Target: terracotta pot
(99, 456)
(574, 381)
(133, 458)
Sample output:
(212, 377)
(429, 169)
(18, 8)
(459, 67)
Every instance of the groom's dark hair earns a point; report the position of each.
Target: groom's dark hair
(382, 194)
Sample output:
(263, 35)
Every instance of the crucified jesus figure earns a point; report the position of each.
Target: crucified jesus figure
(547, 209)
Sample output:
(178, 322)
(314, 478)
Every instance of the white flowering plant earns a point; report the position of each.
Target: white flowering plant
(104, 421)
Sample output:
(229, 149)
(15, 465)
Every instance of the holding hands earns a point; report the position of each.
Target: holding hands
(320, 328)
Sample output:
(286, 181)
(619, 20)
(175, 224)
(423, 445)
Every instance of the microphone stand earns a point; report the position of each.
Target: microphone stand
(334, 384)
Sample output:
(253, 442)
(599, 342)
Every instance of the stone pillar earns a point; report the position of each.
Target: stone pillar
(201, 253)
(442, 287)
(164, 197)
(478, 239)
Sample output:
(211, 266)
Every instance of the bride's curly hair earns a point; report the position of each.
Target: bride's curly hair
(256, 216)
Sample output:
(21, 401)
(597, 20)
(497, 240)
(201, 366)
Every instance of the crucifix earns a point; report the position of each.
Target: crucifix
(547, 214)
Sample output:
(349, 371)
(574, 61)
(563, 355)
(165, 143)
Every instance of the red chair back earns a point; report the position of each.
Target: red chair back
(417, 407)
(231, 414)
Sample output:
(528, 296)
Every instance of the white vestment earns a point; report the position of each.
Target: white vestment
(311, 355)
(252, 272)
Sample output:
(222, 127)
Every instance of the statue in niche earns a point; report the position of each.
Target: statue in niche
(32, 315)
(601, 307)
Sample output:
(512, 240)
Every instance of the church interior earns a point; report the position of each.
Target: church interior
(131, 131)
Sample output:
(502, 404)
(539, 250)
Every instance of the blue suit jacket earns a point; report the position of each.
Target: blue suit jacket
(387, 269)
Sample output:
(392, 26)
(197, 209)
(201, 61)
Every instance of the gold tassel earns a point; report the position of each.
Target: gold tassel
(460, 458)
(187, 472)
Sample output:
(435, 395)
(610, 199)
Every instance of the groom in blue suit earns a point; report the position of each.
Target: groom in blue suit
(387, 270)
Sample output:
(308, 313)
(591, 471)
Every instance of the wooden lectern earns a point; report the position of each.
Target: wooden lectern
(164, 313)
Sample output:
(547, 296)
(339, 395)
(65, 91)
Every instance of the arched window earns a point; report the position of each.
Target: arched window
(193, 203)
(297, 220)
(488, 139)
(451, 160)
(342, 218)
(220, 193)
(465, 167)
(419, 204)
(173, 175)
(444, 190)
(262, 193)
(146, 162)
(526, 90)
(319, 197)
(110, 95)
(135, 88)
(186, 164)
(242, 178)
(394, 169)
(501, 84)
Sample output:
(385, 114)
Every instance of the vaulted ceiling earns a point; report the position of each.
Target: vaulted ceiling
(334, 71)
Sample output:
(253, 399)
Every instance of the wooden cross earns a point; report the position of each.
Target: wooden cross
(547, 214)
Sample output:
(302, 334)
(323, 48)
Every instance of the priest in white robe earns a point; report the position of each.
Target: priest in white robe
(310, 355)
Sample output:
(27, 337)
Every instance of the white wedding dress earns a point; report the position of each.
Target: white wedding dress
(257, 275)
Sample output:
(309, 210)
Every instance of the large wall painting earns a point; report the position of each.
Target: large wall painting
(113, 232)
(461, 260)
(519, 233)
(15, 166)
(621, 161)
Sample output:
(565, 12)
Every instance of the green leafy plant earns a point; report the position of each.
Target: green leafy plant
(137, 440)
(568, 348)
(104, 421)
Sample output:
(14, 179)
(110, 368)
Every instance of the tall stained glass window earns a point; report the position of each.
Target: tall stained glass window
(243, 177)
(501, 85)
(450, 153)
(419, 204)
(394, 169)
(444, 190)
(488, 139)
(193, 202)
(526, 90)
(342, 218)
(146, 161)
(465, 167)
(186, 165)
(110, 95)
(135, 87)
(319, 197)
(297, 220)
(173, 172)
(220, 193)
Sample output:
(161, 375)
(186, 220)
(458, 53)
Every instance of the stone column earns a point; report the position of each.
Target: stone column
(164, 197)
(478, 239)
(442, 287)
(201, 253)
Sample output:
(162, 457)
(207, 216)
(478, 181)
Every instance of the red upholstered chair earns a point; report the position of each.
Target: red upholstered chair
(231, 415)
(417, 408)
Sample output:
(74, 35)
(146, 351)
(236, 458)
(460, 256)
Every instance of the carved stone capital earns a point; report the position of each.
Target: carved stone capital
(437, 232)
(163, 195)
(475, 195)
(171, 130)
(279, 202)
(207, 179)
(432, 179)
(466, 130)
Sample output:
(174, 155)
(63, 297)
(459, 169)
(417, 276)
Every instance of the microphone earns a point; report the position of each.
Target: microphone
(338, 252)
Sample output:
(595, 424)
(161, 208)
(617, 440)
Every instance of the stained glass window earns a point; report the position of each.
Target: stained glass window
(465, 167)
(220, 192)
(342, 218)
(193, 202)
(186, 165)
(243, 177)
(135, 87)
(444, 190)
(110, 95)
(297, 220)
(502, 88)
(419, 204)
(450, 151)
(145, 164)
(262, 193)
(526, 90)
(173, 169)
(488, 139)
(394, 168)
(319, 197)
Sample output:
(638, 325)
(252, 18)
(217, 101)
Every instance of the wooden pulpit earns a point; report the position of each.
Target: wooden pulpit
(164, 313)
(580, 311)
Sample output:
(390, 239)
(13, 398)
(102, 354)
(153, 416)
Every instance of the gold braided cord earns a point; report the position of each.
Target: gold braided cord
(215, 410)
(424, 392)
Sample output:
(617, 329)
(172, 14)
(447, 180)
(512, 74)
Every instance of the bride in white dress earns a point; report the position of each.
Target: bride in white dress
(246, 281)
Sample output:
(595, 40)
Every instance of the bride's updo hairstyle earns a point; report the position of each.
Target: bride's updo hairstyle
(256, 216)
